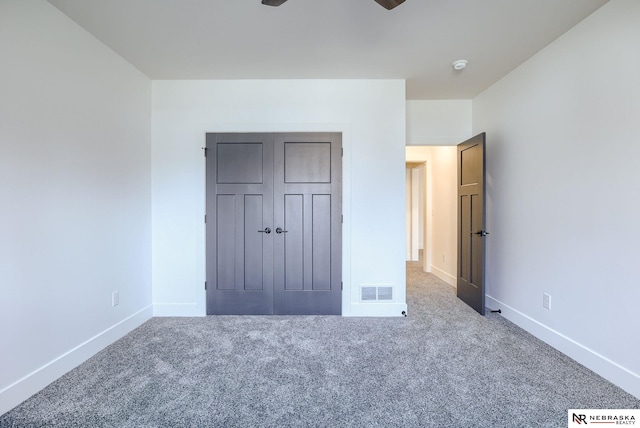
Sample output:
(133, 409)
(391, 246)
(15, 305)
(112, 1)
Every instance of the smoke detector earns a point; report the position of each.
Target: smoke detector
(460, 64)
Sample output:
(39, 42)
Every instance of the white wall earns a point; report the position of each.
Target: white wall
(441, 213)
(371, 116)
(438, 122)
(75, 222)
(562, 175)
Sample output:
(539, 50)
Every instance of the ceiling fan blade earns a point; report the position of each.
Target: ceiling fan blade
(389, 4)
(274, 2)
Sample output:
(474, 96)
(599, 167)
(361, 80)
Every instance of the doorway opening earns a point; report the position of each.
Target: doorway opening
(431, 205)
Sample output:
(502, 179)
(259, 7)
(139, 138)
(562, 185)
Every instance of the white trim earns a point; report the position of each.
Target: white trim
(608, 369)
(377, 309)
(445, 276)
(35, 381)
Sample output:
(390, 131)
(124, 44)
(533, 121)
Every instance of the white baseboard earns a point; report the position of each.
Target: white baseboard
(610, 370)
(376, 310)
(24, 388)
(445, 276)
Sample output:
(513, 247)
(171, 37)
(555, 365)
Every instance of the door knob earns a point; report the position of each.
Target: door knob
(279, 230)
(266, 230)
(482, 233)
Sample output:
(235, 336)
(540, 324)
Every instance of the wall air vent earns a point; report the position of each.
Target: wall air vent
(385, 293)
(369, 293)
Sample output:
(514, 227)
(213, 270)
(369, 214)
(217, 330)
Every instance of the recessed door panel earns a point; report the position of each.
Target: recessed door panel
(321, 242)
(294, 242)
(477, 242)
(239, 163)
(253, 262)
(307, 162)
(465, 243)
(226, 242)
(470, 167)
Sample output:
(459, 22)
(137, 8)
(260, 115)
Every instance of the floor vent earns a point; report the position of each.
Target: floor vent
(376, 294)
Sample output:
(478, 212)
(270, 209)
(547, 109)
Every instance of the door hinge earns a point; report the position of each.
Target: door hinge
(342, 218)
(342, 151)
(205, 285)
(205, 218)
(341, 285)
(205, 151)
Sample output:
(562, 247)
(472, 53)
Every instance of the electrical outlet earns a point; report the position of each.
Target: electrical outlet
(115, 298)
(546, 301)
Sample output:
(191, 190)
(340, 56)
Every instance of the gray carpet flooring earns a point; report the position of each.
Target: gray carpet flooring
(442, 366)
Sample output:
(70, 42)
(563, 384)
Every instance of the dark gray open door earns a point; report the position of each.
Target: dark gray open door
(471, 222)
(274, 223)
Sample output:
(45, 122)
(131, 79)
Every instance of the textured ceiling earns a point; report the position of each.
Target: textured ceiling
(331, 39)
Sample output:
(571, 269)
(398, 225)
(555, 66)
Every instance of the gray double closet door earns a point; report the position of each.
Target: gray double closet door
(274, 228)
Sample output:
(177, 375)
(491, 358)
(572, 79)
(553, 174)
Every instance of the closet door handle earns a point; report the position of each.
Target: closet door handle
(266, 230)
(279, 230)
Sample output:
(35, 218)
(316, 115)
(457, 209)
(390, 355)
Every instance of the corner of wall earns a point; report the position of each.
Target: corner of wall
(19, 391)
